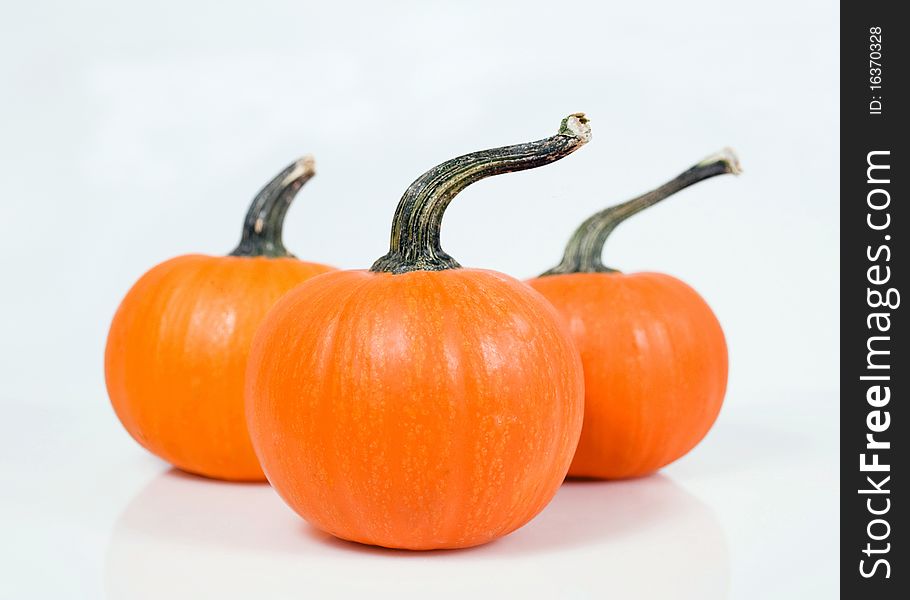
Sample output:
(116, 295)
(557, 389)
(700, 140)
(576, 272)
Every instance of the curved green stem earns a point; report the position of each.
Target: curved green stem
(585, 248)
(265, 219)
(415, 244)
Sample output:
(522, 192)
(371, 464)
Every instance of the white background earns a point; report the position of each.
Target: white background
(133, 132)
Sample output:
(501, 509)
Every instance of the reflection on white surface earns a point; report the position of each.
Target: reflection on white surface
(185, 537)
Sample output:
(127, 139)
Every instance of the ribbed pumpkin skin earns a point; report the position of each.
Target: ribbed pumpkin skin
(422, 410)
(176, 357)
(655, 364)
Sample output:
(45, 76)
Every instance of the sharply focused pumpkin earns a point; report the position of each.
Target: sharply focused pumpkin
(177, 348)
(419, 404)
(654, 354)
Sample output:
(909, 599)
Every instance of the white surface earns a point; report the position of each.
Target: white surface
(751, 513)
(133, 132)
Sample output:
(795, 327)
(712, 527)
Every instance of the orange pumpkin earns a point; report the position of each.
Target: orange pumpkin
(177, 348)
(419, 404)
(654, 354)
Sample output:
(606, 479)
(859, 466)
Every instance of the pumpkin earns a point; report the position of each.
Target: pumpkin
(419, 405)
(178, 344)
(654, 354)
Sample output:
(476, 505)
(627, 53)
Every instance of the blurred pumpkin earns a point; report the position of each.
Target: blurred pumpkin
(178, 345)
(654, 354)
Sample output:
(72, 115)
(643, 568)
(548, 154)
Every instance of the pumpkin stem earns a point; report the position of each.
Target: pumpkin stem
(415, 244)
(265, 218)
(585, 248)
